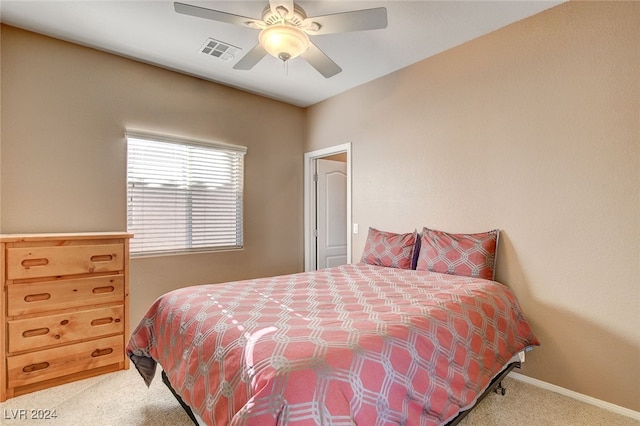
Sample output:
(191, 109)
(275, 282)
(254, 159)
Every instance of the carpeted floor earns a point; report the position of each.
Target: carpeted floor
(121, 399)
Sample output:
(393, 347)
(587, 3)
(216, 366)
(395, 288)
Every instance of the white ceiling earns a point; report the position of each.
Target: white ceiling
(152, 32)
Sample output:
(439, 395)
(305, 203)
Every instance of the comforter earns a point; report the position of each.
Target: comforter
(355, 344)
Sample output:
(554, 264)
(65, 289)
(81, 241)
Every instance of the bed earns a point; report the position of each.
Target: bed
(355, 344)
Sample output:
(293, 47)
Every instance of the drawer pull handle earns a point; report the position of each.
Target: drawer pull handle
(35, 367)
(102, 321)
(101, 352)
(37, 297)
(102, 258)
(35, 332)
(28, 263)
(105, 289)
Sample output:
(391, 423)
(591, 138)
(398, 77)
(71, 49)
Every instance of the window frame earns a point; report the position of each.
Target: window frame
(187, 248)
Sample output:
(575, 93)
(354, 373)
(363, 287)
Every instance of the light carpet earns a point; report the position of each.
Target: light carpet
(121, 398)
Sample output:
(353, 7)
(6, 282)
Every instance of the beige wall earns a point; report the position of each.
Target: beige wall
(534, 129)
(64, 112)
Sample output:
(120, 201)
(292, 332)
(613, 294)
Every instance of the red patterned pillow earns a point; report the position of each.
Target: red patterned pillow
(471, 255)
(389, 249)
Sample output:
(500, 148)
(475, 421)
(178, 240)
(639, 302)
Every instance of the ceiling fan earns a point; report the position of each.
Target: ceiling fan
(285, 30)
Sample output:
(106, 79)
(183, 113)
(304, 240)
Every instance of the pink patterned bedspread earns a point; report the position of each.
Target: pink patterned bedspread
(355, 344)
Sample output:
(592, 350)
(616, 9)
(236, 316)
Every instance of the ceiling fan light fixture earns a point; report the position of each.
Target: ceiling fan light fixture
(284, 41)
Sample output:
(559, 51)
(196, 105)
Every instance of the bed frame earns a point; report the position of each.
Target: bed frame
(186, 408)
(494, 386)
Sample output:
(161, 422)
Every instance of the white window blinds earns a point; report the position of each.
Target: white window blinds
(183, 195)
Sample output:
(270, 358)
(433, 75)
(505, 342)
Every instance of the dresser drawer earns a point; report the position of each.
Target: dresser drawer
(35, 333)
(51, 261)
(58, 362)
(30, 298)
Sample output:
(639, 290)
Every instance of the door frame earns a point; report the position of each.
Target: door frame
(310, 203)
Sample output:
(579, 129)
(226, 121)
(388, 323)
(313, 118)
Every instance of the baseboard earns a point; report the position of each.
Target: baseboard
(575, 395)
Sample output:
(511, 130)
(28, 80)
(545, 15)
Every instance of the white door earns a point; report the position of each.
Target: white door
(331, 213)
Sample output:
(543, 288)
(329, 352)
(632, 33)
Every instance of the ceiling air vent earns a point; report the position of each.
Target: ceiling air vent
(219, 49)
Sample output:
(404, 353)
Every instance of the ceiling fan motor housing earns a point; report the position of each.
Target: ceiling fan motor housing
(284, 37)
(282, 15)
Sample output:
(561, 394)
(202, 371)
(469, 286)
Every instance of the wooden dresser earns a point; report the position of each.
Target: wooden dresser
(65, 308)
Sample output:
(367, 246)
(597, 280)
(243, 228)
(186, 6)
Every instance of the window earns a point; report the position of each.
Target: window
(183, 195)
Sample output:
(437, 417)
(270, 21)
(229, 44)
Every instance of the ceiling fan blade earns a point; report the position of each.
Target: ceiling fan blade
(252, 57)
(288, 4)
(321, 62)
(357, 20)
(215, 15)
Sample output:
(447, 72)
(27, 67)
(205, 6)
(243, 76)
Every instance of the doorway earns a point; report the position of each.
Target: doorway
(327, 207)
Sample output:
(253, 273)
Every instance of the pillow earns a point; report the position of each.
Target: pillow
(470, 255)
(389, 249)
